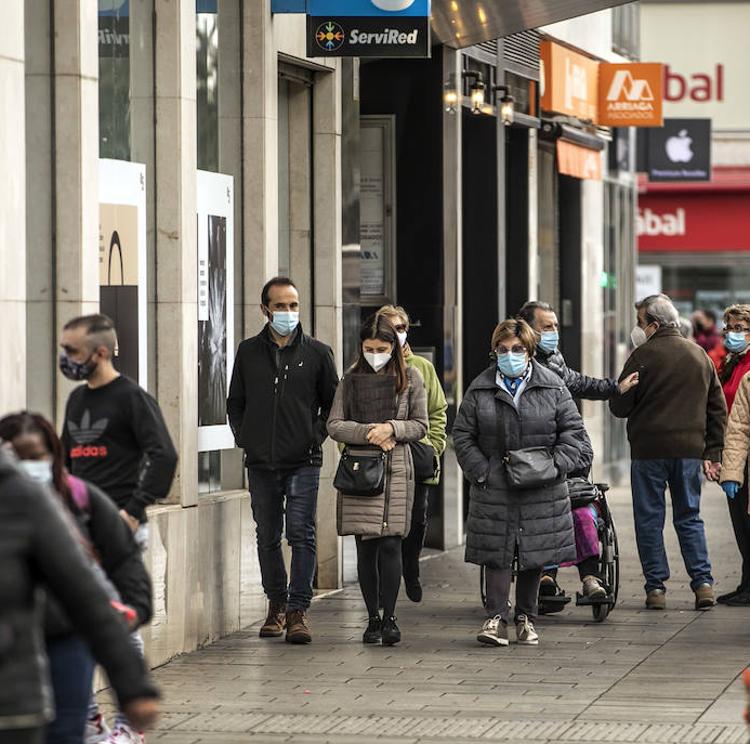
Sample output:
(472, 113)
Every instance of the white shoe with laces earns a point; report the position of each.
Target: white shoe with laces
(525, 632)
(97, 730)
(123, 734)
(494, 632)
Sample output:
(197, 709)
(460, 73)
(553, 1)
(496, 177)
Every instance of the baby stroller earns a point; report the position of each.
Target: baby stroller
(585, 494)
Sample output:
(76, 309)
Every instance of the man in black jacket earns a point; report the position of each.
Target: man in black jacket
(279, 399)
(543, 319)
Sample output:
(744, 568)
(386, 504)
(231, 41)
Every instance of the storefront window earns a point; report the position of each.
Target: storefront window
(219, 191)
(114, 79)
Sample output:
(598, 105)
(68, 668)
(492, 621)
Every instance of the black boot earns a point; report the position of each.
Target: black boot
(373, 632)
(390, 632)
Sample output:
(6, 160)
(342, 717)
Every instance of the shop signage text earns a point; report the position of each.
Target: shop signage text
(695, 221)
(630, 95)
(569, 81)
(698, 87)
(652, 223)
(368, 28)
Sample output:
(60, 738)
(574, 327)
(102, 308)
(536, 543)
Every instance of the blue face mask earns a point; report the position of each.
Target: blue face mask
(735, 342)
(549, 341)
(284, 323)
(512, 365)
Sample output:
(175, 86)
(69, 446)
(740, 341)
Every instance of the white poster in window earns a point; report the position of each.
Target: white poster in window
(372, 212)
(647, 281)
(215, 197)
(123, 261)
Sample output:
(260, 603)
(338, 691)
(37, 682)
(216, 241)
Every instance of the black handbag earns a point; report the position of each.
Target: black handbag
(532, 467)
(424, 461)
(361, 472)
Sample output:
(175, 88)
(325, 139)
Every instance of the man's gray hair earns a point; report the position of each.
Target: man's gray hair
(659, 309)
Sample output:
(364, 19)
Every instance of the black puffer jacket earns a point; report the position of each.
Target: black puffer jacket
(536, 521)
(580, 385)
(37, 549)
(120, 558)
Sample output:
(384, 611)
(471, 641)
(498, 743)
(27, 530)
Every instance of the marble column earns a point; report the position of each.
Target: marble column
(176, 238)
(328, 292)
(76, 159)
(260, 148)
(12, 210)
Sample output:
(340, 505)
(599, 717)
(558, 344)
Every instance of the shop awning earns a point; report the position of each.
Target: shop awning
(461, 23)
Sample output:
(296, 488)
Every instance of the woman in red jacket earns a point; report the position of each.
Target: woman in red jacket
(734, 367)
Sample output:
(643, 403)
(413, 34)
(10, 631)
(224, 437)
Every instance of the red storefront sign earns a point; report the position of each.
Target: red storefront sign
(709, 218)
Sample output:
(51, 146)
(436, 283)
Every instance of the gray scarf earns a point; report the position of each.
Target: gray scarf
(369, 398)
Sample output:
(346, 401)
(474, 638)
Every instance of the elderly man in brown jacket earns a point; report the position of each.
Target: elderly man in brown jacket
(676, 417)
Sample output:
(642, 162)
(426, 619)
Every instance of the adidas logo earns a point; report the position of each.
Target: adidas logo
(86, 432)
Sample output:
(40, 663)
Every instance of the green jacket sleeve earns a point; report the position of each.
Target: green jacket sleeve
(437, 407)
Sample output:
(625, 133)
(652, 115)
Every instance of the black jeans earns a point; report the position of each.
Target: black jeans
(22, 736)
(290, 497)
(587, 567)
(379, 572)
(411, 546)
(741, 524)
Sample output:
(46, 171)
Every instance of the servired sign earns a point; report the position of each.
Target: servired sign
(631, 95)
(693, 222)
(368, 28)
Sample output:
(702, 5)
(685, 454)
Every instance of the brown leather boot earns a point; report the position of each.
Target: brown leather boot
(297, 627)
(275, 621)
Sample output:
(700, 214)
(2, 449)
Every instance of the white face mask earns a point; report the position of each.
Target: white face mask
(377, 361)
(402, 337)
(38, 470)
(638, 336)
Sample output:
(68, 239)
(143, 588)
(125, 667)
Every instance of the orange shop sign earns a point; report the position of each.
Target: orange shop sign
(569, 81)
(579, 162)
(630, 95)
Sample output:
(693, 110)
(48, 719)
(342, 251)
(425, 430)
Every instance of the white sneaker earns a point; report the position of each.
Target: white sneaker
(525, 632)
(593, 589)
(494, 632)
(97, 730)
(123, 734)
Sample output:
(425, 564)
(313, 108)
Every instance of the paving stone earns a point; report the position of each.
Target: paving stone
(638, 678)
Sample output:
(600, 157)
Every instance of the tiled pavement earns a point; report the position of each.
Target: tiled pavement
(640, 676)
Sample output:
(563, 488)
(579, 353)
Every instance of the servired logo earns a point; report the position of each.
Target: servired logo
(630, 95)
(670, 224)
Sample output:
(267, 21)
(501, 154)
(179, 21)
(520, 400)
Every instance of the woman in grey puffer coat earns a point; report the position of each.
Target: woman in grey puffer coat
(519, 405)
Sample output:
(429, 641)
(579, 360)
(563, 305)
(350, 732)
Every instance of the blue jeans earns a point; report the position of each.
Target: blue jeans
(649, 479)
(71, 668)
(274, 494)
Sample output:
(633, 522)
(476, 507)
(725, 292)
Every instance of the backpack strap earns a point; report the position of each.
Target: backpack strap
(80, 493)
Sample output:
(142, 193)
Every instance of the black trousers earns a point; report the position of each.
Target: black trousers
(587, 567)
(379, 572)
(741, 525)
(411, 546)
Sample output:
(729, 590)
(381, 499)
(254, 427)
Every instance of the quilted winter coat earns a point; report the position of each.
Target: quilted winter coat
(737, 438)
(536, 522)
(390, 513)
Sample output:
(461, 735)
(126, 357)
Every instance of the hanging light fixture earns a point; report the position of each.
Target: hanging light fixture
(476, 90)
(506, 105)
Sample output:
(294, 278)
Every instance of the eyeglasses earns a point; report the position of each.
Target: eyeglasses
(517, 349)
(737, 328)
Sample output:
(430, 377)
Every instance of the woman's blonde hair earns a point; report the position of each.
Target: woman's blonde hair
(395, 311)
(518, 328)
(741, 312)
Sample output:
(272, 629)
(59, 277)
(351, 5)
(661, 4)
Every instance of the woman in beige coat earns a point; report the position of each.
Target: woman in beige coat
(380, 405)
(733, 481)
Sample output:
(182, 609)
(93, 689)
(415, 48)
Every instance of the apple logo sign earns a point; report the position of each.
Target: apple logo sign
(393, 6)
(678, 147)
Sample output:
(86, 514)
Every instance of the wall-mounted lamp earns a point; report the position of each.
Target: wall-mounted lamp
(506, 106)
(476, 90)
(450, 95)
